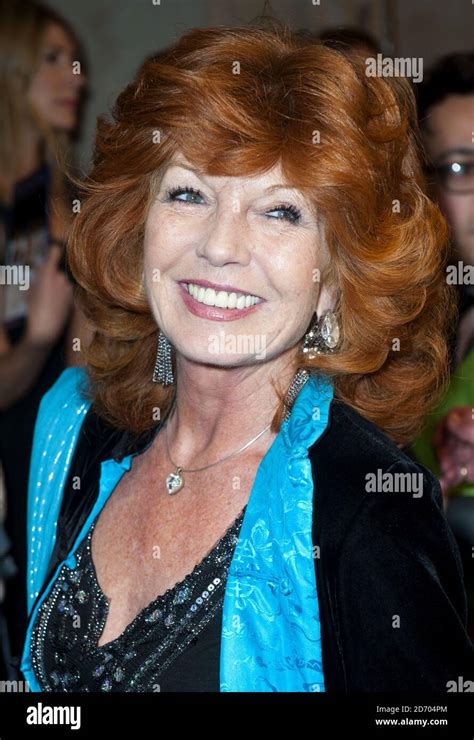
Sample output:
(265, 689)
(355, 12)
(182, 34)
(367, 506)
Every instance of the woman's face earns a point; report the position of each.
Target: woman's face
(250, 249)
(55, 88)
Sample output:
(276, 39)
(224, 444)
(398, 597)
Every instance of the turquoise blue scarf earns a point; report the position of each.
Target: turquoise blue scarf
(271, 638)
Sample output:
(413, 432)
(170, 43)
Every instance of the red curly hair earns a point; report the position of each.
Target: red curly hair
(237, 101)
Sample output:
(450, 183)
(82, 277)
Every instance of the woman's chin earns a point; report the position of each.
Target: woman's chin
(220, 360)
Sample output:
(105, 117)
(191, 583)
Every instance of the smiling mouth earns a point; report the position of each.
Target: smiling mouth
(221, 298)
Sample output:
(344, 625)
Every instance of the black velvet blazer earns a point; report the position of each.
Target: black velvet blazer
(392, 603)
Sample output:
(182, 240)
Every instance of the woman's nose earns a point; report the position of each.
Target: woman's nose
(226, 241)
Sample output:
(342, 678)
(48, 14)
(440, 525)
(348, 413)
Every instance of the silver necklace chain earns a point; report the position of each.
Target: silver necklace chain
(232, 454)
(175, 481)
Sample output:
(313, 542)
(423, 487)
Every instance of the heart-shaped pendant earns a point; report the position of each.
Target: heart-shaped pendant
(174, 483)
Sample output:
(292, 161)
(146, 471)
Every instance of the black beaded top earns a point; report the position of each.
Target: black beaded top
(172, 644)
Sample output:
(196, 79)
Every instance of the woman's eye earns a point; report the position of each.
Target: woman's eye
(291, 213)
(172, 195)
(51, 57)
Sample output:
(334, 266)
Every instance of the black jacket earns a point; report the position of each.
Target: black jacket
(389, 575)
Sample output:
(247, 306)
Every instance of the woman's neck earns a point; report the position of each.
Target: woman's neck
(218, 409)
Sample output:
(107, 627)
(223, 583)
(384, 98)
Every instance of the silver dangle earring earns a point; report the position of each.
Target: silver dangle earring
(323, 335)
(163, 372)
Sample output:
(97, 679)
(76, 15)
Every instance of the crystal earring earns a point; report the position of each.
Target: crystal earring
(163, 372)
(323, 335)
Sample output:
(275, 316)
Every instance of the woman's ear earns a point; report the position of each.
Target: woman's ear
(326, 300)
(327, 296)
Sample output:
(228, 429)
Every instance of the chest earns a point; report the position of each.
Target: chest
(145, 541)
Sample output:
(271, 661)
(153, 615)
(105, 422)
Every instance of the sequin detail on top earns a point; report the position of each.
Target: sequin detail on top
(68, 625)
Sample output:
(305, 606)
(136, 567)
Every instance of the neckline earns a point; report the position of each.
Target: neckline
(161, 598)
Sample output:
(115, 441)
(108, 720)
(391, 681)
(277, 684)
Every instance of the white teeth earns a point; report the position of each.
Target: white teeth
(221, 298)
(209, 297)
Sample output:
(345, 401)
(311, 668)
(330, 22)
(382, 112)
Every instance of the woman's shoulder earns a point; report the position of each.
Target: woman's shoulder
(354, 451)
(366, 489)
(69, 388)
(389, 556)
(372, 498)
(60, 415)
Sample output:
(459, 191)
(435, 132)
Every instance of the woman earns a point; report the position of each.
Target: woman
(41, 85)
(206, 512)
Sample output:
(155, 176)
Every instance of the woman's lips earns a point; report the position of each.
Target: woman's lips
(214, 313)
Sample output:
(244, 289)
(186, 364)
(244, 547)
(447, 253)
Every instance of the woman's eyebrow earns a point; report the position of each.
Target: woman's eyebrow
(186, 167)
(199, 173)
(54, 46)
(282, 186)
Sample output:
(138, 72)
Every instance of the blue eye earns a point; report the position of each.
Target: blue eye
(174, 192)
(293, 214)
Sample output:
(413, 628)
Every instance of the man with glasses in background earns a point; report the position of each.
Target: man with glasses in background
(446, 114)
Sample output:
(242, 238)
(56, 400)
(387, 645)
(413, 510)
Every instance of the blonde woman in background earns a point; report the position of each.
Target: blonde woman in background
(40, 90)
